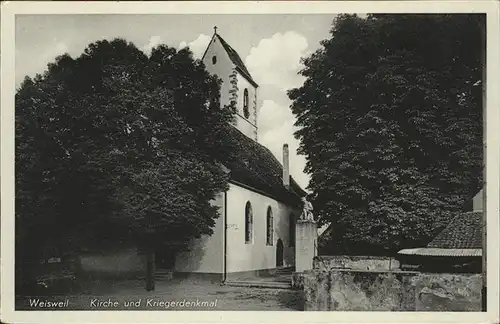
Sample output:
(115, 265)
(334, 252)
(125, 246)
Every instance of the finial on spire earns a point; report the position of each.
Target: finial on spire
(215, 29)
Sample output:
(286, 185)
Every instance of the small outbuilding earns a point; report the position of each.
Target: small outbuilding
(457, 248)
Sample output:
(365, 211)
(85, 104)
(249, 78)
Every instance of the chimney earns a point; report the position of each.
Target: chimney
(286, 168)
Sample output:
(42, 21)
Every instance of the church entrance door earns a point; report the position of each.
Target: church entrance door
(279, 253)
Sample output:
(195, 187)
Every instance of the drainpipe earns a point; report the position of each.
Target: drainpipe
(224, 233)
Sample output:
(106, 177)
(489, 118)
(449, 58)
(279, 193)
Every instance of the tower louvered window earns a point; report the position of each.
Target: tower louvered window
(246, 112)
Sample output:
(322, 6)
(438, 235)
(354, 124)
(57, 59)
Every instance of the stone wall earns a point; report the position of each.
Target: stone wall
(371, 263)
(355, 290)
(447, 292)
(126, 263)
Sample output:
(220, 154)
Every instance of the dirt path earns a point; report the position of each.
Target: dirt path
(172, 295)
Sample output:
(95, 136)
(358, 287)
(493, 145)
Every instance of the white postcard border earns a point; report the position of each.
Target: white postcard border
(10, 9)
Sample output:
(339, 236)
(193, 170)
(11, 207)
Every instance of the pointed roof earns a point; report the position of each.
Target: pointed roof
(234, 57)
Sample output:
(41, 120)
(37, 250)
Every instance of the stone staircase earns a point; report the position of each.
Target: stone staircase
(163, 274)
(281, 279)
(285, 271)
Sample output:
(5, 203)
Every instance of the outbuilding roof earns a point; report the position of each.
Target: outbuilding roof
(442, 252)
(463, 232)
(462, 237)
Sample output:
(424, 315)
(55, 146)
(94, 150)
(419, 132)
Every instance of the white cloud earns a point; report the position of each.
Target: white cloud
(276, 60)
(272, 115)
(274, 64)
(275, 129)
(152, 43)
(197, 46)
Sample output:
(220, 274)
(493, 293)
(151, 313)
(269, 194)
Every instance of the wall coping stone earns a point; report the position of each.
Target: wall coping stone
(353, 257)
(397, 271)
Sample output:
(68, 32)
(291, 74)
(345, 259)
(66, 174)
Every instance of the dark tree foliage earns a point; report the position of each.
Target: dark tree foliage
(390, 120)
(115, 142)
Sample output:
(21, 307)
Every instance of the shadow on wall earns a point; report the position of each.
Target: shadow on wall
(191, 259)
(289, 256)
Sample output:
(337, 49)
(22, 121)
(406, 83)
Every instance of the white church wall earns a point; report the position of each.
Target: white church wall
(205, 255)
(247, 126)
(256, 255)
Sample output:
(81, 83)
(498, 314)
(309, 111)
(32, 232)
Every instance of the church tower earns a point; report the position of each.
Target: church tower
(237, 87)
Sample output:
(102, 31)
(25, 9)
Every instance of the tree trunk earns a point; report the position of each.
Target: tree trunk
(150, 268)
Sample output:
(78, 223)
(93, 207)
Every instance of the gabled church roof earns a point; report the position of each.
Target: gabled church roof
(258, 168)
(235, 58)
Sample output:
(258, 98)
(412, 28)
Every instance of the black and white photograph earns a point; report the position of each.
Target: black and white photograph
(249, 161)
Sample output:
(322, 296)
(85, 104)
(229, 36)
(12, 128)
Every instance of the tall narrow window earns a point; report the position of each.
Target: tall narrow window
(248, 223)
(270, 226)
(291, 229)
(246, 112)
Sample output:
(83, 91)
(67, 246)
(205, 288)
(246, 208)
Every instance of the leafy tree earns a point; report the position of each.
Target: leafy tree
(390, 119)
(114, 142)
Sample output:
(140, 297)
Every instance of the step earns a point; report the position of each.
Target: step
(163, 275)
(284, 273)
(287, 270)
(259, 284)
(159, 278)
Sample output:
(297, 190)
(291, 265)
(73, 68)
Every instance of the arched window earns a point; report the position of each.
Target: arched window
(269, 226)
(248, 223)
(291, 230)
(214, 59)
(246, 112)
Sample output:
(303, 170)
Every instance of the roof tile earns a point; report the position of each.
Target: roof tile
(463, 232)
(258, 168)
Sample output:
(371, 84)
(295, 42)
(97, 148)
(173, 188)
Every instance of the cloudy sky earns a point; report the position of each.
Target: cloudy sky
(270, 45)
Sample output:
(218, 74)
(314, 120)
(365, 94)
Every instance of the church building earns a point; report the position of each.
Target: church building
(255, 232)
